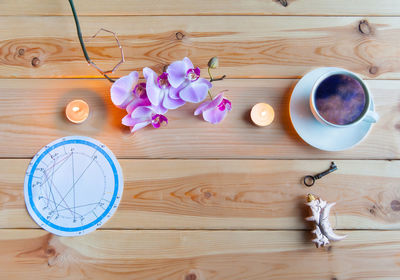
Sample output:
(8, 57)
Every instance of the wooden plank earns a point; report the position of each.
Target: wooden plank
(199, 255)
(232, 194)
(248, 46)
(32, 115)
(205, 7)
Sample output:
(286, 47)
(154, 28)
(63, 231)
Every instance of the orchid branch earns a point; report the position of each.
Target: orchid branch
(85, 53)
(212, 64)
(209, 94)
(212, 78)
(218, 79)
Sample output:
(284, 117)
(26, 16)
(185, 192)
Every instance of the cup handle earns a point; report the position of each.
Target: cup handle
(371, 117)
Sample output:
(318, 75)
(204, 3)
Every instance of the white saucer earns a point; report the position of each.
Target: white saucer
(321, 136)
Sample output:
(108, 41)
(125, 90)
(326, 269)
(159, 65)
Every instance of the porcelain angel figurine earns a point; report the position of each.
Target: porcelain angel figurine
(320, 216)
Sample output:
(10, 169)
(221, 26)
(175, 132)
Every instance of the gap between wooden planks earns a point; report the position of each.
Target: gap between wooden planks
(200, 255)
(32, 115)
(248, 46)
(205, 7)
(232, 194)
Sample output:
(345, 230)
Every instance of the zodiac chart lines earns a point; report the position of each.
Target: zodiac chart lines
(73, 186)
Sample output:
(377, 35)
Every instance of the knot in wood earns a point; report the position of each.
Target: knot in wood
(179, 35)
(364, 27)
(191, 276)
(373, 70)
(21, 52)
(284, 3)
(395, 204)
(50, 252)
(35, 62)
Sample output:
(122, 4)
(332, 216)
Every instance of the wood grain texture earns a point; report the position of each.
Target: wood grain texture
(205, 7)
(197, 255)
(232, 194)
(203, 202)
(248, 46)
(32, 115)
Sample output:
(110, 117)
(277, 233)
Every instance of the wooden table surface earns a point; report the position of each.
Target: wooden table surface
(204, 201)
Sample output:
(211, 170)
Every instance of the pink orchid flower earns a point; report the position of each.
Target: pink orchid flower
(128, 93)
(143, 116)
(214, 111)
(160, 92)
(147, 103)
(186, 82)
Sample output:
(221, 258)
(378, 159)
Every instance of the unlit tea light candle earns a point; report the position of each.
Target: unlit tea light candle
(77, 111)
(262, 114)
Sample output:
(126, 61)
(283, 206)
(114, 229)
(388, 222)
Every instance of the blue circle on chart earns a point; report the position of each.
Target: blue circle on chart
(59, 155)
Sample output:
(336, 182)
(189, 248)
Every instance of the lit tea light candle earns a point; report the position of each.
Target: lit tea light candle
(77, 111)
(262, 114)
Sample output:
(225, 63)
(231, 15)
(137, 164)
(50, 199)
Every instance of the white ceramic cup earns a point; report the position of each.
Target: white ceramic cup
(367, 115)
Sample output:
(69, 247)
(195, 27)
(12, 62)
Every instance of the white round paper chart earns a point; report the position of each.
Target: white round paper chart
(73, 186)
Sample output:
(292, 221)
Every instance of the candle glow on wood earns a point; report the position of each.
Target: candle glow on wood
(262, 114)
(77, 111)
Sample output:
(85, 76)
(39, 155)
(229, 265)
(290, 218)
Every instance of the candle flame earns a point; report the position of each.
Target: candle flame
(77, 111)
(262, 114)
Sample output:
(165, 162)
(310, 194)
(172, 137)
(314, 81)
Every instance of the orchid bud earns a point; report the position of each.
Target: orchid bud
(213, 62)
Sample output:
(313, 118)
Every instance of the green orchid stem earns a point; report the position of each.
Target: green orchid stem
(218, 79)
(209, 73)
(212, 78)
(209, 94)
(78, 31)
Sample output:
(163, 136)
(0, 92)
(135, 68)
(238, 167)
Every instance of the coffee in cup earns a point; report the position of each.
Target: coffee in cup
(340, 98)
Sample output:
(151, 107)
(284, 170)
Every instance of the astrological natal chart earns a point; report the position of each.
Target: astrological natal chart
(73, 186)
